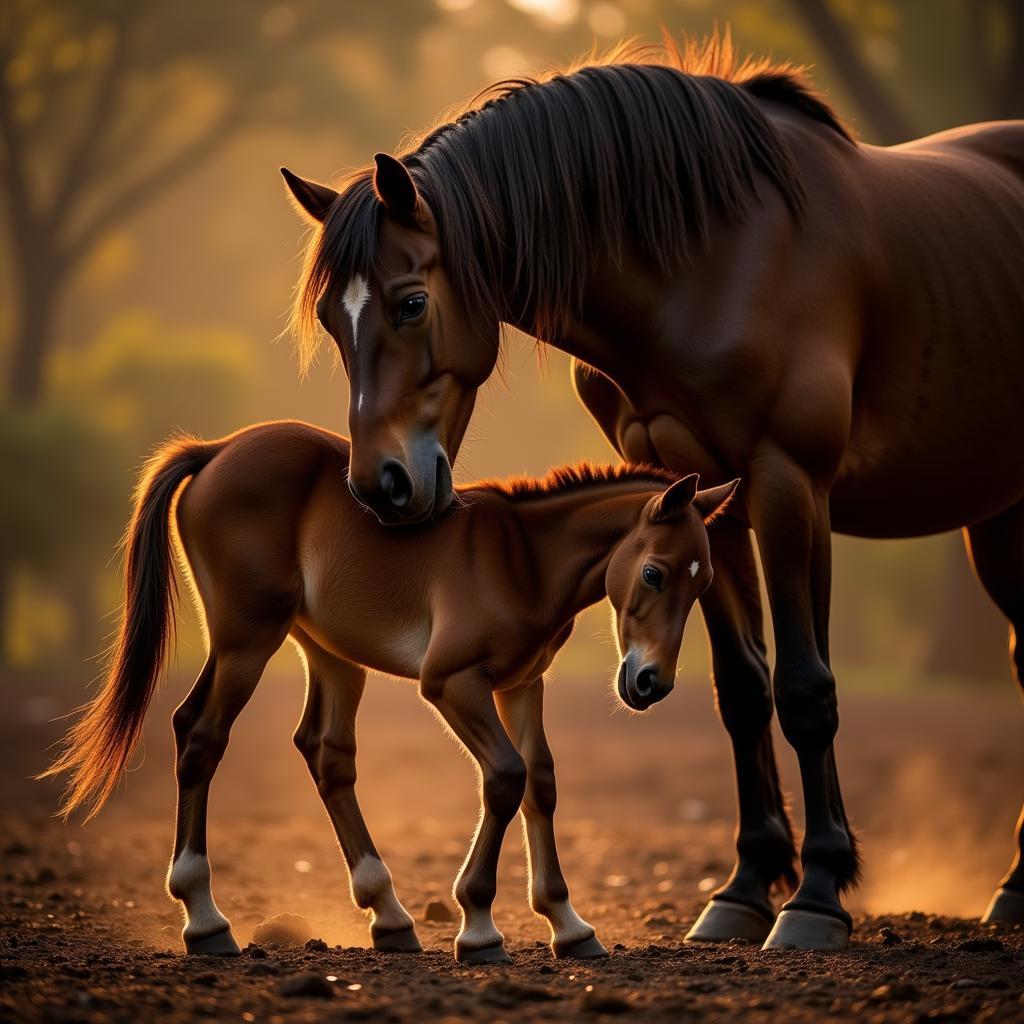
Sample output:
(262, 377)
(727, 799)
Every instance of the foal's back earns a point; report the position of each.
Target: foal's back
(277, 543)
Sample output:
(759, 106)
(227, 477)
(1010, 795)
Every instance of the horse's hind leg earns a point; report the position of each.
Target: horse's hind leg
(326, 737)
(997, 553)
(522, 712)
(201, 726)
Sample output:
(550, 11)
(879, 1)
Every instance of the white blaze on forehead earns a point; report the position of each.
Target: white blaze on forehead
(356, 295)
(694, 566)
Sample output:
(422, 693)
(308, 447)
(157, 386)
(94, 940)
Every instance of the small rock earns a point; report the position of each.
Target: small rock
(438, 912)
(307, 984)
(980, 945)
(597, 1002)
(967, 983)
(255, 952)
(315, 946)
(887, 937)
(897, 992)
(283, 930)
(658, 921)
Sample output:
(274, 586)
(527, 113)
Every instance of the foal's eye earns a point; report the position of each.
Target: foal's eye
(652, 576)
(412, 308)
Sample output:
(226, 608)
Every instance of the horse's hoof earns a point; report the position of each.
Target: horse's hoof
(585, 949)
(722, 920)
(1006, 907)
(404, 940)
(495, 954)
(219, 944)
(805, 929)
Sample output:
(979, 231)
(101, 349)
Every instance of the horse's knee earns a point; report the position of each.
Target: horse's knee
(743, 694)
(504, 787)
(541, 792)
(805, 697)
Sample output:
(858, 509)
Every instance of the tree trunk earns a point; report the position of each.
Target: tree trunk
(33, 336)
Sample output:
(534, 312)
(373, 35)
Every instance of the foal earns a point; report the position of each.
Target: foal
(474, 606)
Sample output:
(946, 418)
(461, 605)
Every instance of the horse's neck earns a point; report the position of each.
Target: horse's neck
(574, 536)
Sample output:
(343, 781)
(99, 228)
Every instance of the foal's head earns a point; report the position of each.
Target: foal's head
(415, 356)
(657, 572)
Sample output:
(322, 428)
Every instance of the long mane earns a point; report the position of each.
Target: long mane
(636, 148)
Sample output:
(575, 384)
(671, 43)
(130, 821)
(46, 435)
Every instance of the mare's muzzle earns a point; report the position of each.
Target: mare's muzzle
(407, 491)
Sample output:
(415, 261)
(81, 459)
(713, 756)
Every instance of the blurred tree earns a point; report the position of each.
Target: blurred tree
(150, 91)
(988, 36)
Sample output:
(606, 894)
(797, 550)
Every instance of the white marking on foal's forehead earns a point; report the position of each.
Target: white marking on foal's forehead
(694, 566)
(356, 295)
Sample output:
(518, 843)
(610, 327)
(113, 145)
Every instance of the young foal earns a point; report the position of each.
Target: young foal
(474, 606)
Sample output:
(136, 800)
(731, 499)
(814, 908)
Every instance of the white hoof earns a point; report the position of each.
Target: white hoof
(722, 920)
(1006, 907)
(805, 929)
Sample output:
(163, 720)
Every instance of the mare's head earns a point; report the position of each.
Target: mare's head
(415, 356)
(657, 572)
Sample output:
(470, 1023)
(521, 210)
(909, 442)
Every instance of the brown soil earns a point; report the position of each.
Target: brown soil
(645, 821)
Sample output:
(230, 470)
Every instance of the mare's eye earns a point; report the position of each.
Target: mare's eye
(412, 308)
(652, 576)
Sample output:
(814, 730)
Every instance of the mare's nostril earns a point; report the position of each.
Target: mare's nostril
(646, 681)
(396, 485)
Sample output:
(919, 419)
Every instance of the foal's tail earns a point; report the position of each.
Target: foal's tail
(99, 744)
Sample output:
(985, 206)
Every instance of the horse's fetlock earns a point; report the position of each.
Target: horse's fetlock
(474, 891)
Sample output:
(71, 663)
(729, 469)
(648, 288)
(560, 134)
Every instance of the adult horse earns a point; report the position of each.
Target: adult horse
(839, 325)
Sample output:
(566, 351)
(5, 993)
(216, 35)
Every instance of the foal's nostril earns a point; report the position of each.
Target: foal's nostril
(395, 484)
(646, 682)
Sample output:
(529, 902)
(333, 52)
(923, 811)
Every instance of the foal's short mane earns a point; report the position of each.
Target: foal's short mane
(576, 477)
(638, 147)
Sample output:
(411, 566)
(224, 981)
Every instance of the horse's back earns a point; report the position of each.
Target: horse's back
(997, 143)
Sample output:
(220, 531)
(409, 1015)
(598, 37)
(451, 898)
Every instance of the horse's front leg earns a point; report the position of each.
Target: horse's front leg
(465, 701)
(522, 711)
(789, 511)
(742, 908)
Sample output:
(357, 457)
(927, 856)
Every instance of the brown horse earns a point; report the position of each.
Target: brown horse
(759, 295)
(475, 607)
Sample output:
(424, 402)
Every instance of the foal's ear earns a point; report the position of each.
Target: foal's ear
(395, 188)
(674, 501)
(312, 198)
(715, 500)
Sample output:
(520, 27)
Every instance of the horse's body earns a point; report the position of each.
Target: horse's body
(474, 608)
(900, 333)
(751, 293)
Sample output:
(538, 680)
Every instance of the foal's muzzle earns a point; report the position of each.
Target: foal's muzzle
(639, 686)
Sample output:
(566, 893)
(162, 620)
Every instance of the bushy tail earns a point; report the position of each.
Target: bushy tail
(99, 744)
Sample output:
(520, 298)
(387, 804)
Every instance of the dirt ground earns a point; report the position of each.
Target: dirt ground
(645, 823)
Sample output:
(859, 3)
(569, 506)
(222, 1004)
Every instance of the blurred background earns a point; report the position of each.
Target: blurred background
(149, 255)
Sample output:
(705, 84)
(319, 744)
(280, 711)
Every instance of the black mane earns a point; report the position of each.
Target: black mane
(575, 477)
(639, 148)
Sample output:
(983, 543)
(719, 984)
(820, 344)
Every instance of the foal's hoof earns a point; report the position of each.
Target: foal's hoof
(805, 929)
(404, 940)
(219, 944)
(722, 920)
(495, 954)
(585, 949)
(1006, 907)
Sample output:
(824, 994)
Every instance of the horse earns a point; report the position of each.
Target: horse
(475, 608)
(748, 291)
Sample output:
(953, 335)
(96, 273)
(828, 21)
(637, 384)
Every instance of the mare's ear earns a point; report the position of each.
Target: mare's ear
(312, 198)
(715, 500)
(395, 188)
(674, 501)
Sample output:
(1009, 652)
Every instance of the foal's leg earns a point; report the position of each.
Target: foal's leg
(326, 736)
(522, 711)
(790, 514)
(465, 701)
(202, 723)
(997, 551)
(742, 908)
